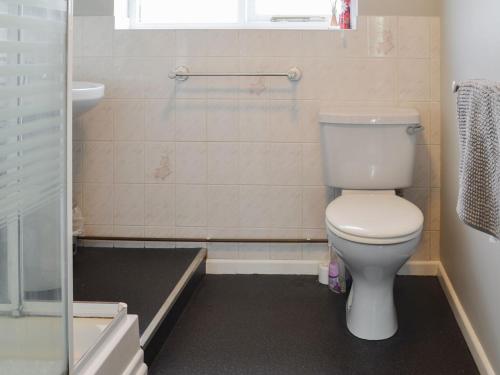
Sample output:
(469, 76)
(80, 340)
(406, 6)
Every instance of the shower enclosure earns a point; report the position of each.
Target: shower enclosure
(34, 261)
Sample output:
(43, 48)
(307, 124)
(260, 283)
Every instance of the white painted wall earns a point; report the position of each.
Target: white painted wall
(470, 49)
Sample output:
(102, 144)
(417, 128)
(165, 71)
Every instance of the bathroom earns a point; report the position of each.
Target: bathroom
(192, 187)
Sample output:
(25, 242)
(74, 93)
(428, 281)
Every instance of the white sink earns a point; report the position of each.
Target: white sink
(86, 95)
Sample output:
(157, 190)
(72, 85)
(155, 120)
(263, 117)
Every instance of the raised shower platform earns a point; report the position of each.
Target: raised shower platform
(155, 283)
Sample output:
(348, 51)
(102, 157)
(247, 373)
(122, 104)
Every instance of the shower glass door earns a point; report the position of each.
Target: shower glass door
(34, 303)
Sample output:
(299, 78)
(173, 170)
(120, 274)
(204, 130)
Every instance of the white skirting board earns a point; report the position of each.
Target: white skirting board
(477, 350)
(299, 267)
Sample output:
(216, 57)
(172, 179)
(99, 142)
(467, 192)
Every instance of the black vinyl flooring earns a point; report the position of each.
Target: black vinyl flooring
(256, 324)
(141, 278)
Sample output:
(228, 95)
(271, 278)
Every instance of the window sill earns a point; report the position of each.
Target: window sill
(125, 24)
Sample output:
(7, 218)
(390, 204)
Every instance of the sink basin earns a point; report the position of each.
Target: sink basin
(86, 95)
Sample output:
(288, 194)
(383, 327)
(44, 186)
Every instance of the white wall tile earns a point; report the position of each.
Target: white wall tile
(98, 203)
(194, 87)
(284, 163)
(254, 43)
(222, 250)
(435, 161)
(435, 137)
(240, 157)
(435, 245)
(253, 251)
(255, 209)
(314, 202)
(435, 40)
(435, 68)
(129, 204)
(191, 205)
(96, 124)
(414, 37)
(286, 207)
(317, 43)
(383, 36)
(129, 120)
(414, 80)
(285, 42)
(253, 163)
(314, 251)
(191, 163)
(160, 205)
(421, 176)
(223, 163)
(222, 42)
(424, 247)
(284, 121)
(254, 87)
(95, 69)
(159, 162)
(286, 251)
(253, 120)
(223, 206)
(142, 43)
(155, 80)
(352, 43)
(191, 120)
(78, 155)
(222, 120)
(129, 231)
(97, 162)
(127, 79)
(222, 87)
(191, 43)
(364, 80)
(312, 164)
(129, 162)
(160, 120)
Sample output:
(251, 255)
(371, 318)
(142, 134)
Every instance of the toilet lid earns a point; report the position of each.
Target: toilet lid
(374, 216)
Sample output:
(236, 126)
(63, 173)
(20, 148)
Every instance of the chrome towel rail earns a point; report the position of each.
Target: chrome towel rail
(182, 73)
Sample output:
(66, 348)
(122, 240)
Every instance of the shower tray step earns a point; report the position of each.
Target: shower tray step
(154, 283)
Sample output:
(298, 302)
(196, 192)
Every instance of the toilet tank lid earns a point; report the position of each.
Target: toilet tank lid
(367, 116)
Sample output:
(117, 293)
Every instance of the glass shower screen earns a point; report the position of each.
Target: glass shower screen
(33, 252)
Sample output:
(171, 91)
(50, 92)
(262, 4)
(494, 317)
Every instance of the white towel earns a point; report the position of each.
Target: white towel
(478, 104)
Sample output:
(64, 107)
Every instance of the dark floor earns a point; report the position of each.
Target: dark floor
(292, 325)
(142, 278)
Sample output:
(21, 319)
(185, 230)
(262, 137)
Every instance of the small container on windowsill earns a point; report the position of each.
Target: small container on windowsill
(345, 15)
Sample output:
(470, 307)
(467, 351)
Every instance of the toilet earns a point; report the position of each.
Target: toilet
(368, 153)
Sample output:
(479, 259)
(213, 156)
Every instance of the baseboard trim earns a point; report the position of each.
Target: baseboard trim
(477, 350)
(420, 268)
(263, 267)
(299, 267)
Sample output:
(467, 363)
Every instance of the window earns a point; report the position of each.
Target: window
(227, 13)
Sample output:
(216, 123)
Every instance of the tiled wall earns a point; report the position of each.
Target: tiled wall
(240, 157)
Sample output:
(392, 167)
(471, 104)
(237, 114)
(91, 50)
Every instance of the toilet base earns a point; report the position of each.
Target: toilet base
(370, 310)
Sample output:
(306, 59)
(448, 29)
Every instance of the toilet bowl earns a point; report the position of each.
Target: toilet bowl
(374, 233)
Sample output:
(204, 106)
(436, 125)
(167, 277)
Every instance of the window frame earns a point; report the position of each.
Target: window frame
(247, 19)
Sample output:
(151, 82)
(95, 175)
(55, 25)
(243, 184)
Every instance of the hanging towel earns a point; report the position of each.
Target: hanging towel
(478, 104)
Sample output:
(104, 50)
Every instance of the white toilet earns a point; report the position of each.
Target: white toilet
(368, 153)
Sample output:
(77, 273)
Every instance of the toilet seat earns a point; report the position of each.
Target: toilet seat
(374, 217)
